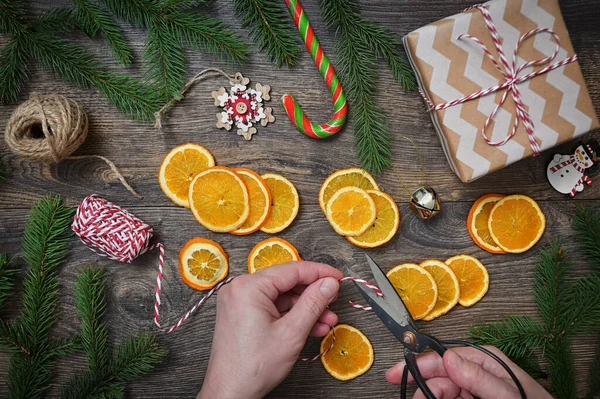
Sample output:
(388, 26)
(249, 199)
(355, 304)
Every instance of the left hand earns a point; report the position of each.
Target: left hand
(263, 320)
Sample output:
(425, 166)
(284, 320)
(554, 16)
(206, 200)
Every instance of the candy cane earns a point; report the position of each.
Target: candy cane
(291, 106)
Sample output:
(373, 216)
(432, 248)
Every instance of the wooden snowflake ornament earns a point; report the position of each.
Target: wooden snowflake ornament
(243, 106)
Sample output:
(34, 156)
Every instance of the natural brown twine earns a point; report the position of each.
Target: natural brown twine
(49, 129)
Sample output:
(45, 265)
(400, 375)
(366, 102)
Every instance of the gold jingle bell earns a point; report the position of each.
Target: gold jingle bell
(425, 202)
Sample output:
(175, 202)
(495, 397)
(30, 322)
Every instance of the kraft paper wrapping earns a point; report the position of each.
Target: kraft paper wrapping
(448, 68)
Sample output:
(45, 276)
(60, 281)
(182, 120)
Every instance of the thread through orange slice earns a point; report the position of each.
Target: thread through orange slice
(385, 225)
(178, 169)
(351, 211)
(351, 355)
(448, 288)
(473, 278)
(416, 287)
(260, 201)
(285, 203)
(269, 252)
(219, 199)
(202, 263)
(355, 177)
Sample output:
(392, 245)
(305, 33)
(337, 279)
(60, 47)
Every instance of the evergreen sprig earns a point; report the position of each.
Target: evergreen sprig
(92, 19)
(360, 44)
(36, 39)
(106, 376)
(170, 25)
(566, 307)
(271, 29)
(8, 273)
(44, 247)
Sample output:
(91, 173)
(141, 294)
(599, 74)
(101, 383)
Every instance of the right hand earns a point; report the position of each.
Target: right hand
(466, 372)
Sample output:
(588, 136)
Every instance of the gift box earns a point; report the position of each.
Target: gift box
(502, 83)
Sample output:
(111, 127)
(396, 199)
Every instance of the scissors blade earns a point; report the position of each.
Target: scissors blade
(389, 308)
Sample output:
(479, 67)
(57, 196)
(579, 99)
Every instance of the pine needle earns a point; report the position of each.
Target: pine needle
(549, 280)
(360, 43)
(580, 306)
(271, 29)
(92, 19)
(586, 223)
(561, 369)
(8, 273)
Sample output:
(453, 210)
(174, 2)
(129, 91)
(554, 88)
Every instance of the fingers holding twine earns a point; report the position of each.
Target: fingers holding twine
(49, 129)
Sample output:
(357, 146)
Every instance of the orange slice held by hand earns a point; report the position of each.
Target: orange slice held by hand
(178, 169)
(351, 211)
(202, 263)
(477, 223)
(351, 355)
(269, 252)
(285, 203)
(354, 177)
(219, 199)
(447, 287)
(385, 225)
(472, 276)
(516, 223)
(416, 287)
(260, 201)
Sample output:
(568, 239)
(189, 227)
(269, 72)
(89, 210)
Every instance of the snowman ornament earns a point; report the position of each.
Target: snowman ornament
(567, 173)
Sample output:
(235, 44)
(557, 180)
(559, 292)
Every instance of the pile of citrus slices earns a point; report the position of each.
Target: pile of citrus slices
(357, 209)
(433, 287)
(226, 200)
(501, 224)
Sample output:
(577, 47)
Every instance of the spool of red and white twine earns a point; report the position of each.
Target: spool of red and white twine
(111, 231)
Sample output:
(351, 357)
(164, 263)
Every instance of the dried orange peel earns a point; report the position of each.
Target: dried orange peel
(477, 223)
(285, 203)
(351, 355)
(260, 201)
(351, 211)
(355, 177)
(202, 263)
(269, 252)
(473, 278)
(386, 223)
(416, 287)
(448, 288)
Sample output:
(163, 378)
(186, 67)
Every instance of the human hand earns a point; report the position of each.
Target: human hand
(464, 372)
(263, 320)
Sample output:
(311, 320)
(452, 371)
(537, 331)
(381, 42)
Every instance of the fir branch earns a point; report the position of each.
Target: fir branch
(516, 336)
(137, 356)
(11, 11)
(13, 338)
(561, 369)
(549, 280)
(531, 365)
(586, 223)
(360, 43)
(14, 69)
(580, 306)
(8, 273)
(270, 28)
(58, 20)
(92, 19)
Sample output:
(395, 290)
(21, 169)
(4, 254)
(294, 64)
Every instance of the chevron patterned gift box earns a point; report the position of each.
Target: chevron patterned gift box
(502, 82)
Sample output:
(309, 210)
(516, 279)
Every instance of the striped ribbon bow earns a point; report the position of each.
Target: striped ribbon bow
(510, 71)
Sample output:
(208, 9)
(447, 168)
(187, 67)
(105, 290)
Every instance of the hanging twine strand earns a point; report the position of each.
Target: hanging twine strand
(111, 231)
(202, 75)
(64, 126)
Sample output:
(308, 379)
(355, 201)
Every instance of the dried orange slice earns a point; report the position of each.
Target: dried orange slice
(202, 263)
(473, 278)
(355, 177)
(269, 252)
(351, 355)
(219, 199)
(351, 211)
(477, 223)
(260, 201)
(178, 169)
(385, 226)
(416, 287)
(285, 203)
(516, 223)
(447, 285)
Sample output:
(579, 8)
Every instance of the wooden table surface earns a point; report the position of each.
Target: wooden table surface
(138, 149)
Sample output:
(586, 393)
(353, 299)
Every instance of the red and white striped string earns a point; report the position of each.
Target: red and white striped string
(111, 231)
(512, 80)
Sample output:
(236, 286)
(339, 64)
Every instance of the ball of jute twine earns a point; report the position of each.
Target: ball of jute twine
(49, 129)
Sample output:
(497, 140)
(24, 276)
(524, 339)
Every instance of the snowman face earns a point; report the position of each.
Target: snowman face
(582, 157)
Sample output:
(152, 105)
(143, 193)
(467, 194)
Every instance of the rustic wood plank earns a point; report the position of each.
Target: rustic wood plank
(138, 150)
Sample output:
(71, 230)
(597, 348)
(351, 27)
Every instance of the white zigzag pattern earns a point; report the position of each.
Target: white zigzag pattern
(570, 89)
(438, 85)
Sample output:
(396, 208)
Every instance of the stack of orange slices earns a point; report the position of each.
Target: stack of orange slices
(433, 288)
(501, 224)
(225, 200)
(357, 209)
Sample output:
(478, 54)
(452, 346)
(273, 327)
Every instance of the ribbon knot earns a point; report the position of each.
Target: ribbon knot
(510, 72)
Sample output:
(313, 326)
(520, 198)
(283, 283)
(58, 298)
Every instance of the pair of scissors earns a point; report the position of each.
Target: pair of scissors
(396, 317)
